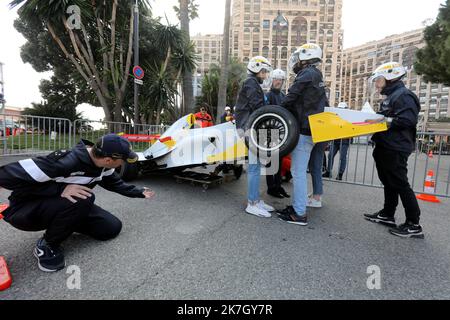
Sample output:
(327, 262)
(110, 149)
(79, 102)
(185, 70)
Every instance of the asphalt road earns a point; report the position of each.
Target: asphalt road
(187, 244)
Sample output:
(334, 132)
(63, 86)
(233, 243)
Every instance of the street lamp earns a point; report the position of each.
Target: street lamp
(279, 23)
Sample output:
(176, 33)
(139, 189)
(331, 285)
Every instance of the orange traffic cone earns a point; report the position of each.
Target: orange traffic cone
(5, 275)
(430, 188)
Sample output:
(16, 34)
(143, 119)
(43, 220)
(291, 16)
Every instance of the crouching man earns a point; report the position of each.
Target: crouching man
(55, 194)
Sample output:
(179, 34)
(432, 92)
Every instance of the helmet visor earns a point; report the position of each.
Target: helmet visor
(295, 58)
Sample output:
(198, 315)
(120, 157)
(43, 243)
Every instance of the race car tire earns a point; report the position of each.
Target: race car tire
(270, 118)
(129, 171)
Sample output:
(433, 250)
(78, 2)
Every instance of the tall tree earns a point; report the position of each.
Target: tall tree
(222, 98)
(95, 36)
(433, 60)
(155, 39)
(188, 89)
(237, 73)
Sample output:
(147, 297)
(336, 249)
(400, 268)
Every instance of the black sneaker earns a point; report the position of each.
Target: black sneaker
(285, 212)
(290, 216)
(380, 218)
(49, 259)
(340, 177)
(408, 230)
(326, 175)
(275, 194)
(284, 193)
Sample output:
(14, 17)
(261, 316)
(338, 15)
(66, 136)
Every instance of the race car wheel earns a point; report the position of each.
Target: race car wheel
(129, 171)
(272, 129)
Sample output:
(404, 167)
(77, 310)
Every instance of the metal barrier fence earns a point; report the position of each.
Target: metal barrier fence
(140, 136)
(432, 153)
(24, 135)
(31, 135)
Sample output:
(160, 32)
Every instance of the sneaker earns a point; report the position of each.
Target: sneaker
(275, 194)
(408, 230)
(289, 215)
(257, 211)
(380, 218)
(262, 205)
(285, 212)
(326, 175)
(284, 193)
(49, 259)
(313, 203)
(340, 177)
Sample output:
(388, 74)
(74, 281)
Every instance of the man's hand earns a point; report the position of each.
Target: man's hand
(75, 190)
(375, 121)
(149, 194)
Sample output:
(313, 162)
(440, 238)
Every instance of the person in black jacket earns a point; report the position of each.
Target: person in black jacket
(393, 148)
(250, 98)
(306, 97)
(55, 193)
(275, 97)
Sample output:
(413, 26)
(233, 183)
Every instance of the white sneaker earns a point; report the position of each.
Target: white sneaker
(313, 203)
(262, 205)
(257, 211)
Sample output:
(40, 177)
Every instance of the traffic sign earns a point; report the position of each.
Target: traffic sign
(138, 72)
(139, 82)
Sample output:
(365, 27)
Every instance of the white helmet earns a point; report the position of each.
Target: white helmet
(342, 105)
(306, 52)
(390, 71)
(227, 108)
(278, 74)
(259, 63)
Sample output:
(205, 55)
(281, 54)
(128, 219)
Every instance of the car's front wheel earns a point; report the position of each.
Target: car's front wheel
(272, 129)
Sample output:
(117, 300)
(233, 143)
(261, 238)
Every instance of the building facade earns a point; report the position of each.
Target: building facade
(276, 28)
(209, 50)
(358, 63)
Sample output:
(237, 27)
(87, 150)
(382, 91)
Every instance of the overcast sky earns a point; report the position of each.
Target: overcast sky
(363, 21)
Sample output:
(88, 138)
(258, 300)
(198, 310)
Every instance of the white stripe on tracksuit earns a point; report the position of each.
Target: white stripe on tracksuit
(37, 174)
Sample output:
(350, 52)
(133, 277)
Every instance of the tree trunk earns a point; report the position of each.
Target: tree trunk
(223, 83)
(188, 89)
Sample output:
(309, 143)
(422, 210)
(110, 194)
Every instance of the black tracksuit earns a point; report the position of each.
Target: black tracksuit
(36, 203)
(275, 97)
(251, 97)
(393, 148)
(306, 97)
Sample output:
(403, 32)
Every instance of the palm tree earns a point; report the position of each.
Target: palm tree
(100, 49)
(222, 98)
(211, 82)
(188, 90)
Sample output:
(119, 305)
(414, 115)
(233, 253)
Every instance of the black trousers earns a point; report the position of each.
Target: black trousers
(392, 169)
(60, 218)
(274, 181)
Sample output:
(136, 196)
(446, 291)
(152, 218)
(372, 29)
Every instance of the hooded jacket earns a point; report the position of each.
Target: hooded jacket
(403, 106)
(48, 176)
(306, 97)
(251, 97)
(275, 97)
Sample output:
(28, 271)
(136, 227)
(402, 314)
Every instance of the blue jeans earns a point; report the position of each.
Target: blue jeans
(300, 160)
(253, 177)
(315, 167)
(342, 148)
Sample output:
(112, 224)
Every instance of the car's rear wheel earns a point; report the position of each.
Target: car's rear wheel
(272, 130)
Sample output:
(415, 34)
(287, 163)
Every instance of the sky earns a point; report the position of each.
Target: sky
(363, 21)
